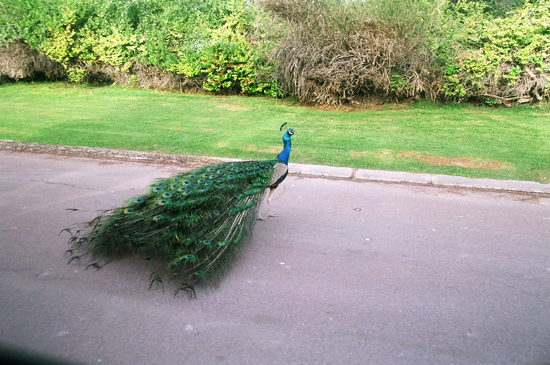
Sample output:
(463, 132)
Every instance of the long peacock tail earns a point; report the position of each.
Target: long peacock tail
(194, 220)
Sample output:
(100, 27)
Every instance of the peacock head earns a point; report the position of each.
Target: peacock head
(289, 131)
(285, 153)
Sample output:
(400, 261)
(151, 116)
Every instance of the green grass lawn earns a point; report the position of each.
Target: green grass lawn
(454, 140)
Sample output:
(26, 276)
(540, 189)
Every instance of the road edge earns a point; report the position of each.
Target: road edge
(317, 171)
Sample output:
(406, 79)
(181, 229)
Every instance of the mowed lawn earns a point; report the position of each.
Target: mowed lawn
(502, 143)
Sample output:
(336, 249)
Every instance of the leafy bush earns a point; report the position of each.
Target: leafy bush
(227, 58)
(189, 37)
(501, 59)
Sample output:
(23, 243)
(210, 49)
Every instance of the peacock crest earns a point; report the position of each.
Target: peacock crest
(193, 221)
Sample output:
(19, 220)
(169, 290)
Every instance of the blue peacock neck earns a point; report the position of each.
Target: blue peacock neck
(285, 153)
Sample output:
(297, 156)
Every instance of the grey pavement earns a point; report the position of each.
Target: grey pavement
(355, 270)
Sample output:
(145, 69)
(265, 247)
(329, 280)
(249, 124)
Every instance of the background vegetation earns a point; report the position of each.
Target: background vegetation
(321, 51)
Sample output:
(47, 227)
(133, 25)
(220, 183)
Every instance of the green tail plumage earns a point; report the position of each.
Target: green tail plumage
(193, 221)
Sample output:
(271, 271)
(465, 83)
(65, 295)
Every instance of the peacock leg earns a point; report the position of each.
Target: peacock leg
(269, 214)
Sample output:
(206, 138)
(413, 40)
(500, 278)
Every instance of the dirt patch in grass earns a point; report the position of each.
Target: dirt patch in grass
(466, 162)
(221, 144)
(232, 107)
(371, 102)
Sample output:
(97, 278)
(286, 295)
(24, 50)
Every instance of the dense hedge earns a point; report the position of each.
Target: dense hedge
(500, 59)
(322, 51)
(214, 41)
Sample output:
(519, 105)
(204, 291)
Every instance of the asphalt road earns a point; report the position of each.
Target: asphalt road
(349, 273)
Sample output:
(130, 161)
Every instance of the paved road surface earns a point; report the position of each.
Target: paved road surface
(350, 273)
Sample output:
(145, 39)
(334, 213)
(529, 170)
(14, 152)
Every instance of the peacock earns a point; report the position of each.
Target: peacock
(192, 222)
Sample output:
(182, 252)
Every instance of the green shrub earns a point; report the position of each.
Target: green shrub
(226, 56)
(505, 59)
(188, 37)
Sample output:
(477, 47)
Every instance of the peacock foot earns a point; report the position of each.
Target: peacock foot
(94, 265)
(187, 288)
(156, 278)
(267, 216)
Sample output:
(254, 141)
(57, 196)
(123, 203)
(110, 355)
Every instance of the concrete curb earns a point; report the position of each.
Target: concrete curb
(419, 179)
(295, 169)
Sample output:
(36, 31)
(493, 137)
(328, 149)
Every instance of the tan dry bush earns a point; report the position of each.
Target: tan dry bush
(332, 56)
(335, 72)
(151, 77)
(19, 62)
(140, 75)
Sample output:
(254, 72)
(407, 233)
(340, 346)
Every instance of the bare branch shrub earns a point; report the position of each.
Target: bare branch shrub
(336, 51)
(152, 77)
(19, 62)
(141, 75)
(530, 86)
